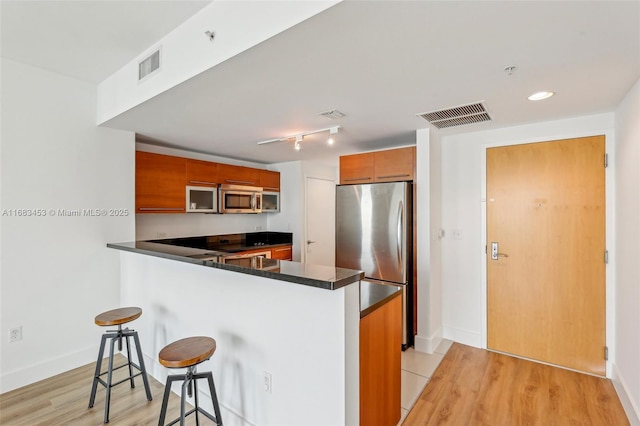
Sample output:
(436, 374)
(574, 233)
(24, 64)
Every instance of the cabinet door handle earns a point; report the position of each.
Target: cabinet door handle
(359, 178)
(168, 209)
(271, 189)
(239, 181)
(393, 176)
(202, 182)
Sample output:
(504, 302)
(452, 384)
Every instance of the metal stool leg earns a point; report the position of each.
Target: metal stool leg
(96, 375)
(214, 399)
(109, 380)
(183, 400)
(195, 396)
(142, 368)
(165, 398)
(133, 385)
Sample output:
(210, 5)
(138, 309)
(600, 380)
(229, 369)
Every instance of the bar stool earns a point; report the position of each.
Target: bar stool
(111, 318)
(189, 353)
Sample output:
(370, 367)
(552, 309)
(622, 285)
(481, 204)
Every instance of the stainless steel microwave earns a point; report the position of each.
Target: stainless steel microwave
(240, 199)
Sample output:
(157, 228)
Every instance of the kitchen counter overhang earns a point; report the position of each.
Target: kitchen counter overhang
(325, 277)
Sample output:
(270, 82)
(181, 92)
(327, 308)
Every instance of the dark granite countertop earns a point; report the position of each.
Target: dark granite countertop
(324, 277)
(374, 295)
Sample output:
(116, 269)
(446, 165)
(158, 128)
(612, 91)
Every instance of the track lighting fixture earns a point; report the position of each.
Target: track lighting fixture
(298, 137)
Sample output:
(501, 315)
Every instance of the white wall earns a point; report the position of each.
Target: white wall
(429, 252)
(312, 359)
(154, 226)
(57, 273)
(186, 51)
(626, 371)
(463, 268)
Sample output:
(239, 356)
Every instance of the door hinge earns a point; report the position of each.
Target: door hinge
(606, 353)
(606, 257)
(485, 249)
(606, 160)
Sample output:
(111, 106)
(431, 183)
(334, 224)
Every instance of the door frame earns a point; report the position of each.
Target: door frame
(609, 229)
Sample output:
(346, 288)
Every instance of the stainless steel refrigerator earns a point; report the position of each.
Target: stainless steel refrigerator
(374, 235)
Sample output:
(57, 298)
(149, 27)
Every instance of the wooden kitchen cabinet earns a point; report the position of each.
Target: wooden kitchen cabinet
(282, 253)
(380, 365)
(238, 175)
(160, 183)
(356, 168)
(201, 173)
(391, 165)
(269, 180)
(394, 165)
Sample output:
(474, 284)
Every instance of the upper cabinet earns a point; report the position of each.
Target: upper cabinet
(356, 168)
(269, 180)
(201, 173)
(238, 175)
(160, 183)
(391, 165)
(395, 164)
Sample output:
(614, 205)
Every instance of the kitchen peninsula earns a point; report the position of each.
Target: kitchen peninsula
(296, 323)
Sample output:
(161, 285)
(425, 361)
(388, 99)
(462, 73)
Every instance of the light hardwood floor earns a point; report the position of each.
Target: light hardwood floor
(63, 400)
(477, 387)
(469, 387)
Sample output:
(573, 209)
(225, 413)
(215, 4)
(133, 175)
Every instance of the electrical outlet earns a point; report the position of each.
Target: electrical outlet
(161, 235)
(267, 382)
(15, 334)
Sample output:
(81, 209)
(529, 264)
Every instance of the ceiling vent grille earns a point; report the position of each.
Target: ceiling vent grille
(149, 65)
(333, 114)
(457, 116)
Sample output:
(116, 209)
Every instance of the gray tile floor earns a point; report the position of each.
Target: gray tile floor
(417, 369)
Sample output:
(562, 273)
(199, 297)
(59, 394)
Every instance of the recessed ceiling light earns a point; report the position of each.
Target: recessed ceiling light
(538, 96)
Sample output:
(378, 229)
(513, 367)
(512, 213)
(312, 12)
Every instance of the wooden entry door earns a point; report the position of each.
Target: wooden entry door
(546, 290)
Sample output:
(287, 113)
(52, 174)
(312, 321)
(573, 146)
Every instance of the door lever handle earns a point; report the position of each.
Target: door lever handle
(310, 242)
(494, 252)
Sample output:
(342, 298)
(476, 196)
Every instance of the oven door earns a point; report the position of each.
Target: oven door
(247, 260)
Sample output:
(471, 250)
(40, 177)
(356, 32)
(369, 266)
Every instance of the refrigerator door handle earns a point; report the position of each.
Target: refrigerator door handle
(399, 247)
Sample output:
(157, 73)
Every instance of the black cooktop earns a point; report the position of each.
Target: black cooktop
(232, 243)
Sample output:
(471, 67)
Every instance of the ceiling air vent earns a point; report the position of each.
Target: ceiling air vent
(457, 116)
(149, 65)
(333, 114)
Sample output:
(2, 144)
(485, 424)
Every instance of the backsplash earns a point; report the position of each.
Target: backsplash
(157, 226)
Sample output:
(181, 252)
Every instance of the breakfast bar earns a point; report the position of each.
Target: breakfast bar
(295, 323)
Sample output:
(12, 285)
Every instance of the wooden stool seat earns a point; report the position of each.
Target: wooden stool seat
(187, 352)
(118, 316)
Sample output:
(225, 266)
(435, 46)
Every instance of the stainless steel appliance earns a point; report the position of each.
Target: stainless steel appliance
(247, 260)
(374, 235)
(240, 199)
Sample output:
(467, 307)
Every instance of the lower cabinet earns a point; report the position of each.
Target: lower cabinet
(380, 365)
(282, 253)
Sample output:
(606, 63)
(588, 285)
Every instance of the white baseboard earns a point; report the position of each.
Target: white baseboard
(630, 407)
(34, 373)
(465, 337)
(428, 344)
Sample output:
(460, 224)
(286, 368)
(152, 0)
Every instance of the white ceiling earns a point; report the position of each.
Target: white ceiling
(87, 40)
(381, 63)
